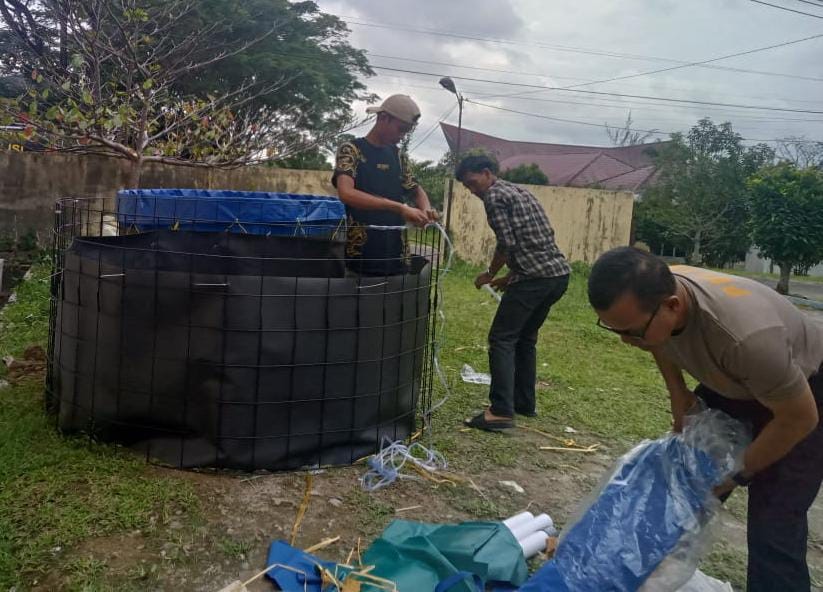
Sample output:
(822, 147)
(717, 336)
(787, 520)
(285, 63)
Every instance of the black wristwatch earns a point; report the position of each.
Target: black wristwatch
(742, 479)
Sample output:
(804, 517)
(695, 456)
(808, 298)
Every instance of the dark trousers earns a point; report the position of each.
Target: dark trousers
(779, 499)
(512, 340)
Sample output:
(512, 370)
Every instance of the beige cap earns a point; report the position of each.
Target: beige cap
(400, 106)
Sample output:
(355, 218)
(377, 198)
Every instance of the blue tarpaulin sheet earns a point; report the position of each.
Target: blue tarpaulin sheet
(303, 574)
(658, 501)
(210, 210)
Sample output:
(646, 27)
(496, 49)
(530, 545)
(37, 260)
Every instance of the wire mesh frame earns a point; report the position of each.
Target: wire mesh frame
(397, 378)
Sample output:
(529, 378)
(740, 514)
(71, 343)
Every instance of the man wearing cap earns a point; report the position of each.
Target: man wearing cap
(373, 179)
(757, 358)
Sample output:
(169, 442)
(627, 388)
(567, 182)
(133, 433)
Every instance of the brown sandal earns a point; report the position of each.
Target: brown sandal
(480, 422)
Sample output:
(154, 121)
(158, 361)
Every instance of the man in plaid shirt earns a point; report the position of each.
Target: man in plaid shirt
(538, 277)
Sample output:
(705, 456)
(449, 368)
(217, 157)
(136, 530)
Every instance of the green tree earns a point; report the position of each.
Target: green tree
(700, 195)
(650, 228)
(311, 160)
(433, 178)
(309, 57)
(526, 174)
(140, 80)
(787, 217)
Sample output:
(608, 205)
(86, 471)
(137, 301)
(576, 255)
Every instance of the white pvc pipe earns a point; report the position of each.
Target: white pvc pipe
(491, 291)
(518, 519)
(548, 524)
(541, 522)
(534, 543)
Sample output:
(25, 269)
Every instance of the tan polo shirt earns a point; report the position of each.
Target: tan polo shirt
(742, 339)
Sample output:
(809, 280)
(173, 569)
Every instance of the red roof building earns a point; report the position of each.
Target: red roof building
(627, 168)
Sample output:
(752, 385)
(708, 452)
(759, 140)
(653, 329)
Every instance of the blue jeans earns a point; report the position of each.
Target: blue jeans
(512, 341)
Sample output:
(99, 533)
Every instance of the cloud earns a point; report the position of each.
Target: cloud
(565, 42)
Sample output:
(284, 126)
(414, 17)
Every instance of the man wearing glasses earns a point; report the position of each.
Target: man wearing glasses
(373, 179)
(757, 358)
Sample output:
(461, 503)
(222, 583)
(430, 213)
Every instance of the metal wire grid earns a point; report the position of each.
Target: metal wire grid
(104, 282)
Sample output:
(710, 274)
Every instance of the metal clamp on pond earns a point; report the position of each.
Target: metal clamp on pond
(223, 329)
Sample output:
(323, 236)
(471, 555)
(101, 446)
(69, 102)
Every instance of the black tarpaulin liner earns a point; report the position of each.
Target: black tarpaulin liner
(218, 252)
(199, 367)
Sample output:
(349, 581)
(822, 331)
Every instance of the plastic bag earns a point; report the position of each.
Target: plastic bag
(468, 374)
(700, 582)
(647, 527)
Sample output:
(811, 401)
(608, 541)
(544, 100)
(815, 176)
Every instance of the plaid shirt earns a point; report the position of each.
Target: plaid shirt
(523, 233)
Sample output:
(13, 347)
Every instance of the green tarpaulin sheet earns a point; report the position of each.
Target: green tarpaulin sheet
(418, 556)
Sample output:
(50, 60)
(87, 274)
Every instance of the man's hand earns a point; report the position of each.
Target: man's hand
(483, 279)
(501, 283)
(725, 489)
(681, 398)
(681, 401)
(414, 216)
(433, 215)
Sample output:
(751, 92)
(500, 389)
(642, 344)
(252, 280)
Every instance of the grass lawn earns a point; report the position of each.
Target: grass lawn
(57, 494)
(592, 380)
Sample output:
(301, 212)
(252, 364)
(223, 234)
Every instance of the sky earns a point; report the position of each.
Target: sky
(559, 43)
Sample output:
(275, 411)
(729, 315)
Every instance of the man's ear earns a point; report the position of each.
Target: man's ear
(674, 303)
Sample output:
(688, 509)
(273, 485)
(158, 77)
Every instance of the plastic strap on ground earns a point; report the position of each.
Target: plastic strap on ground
(284, 554)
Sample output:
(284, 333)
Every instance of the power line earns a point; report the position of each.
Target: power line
(623, 105)
(550, 118)
(479, 68)
(787, 9)
(678, 67)
(534, 74)
(604, 93)
(649, 106)
(817, 4)
(586, 51)
(700, 63)
(379, 25)
(430, 131)
(605, 126)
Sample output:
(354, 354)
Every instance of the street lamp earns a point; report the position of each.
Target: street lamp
(449, 85)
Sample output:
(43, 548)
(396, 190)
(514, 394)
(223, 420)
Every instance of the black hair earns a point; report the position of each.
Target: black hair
(626, 269)
(476, 163)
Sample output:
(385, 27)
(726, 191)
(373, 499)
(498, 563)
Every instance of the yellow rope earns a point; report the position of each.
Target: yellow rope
(301, 511)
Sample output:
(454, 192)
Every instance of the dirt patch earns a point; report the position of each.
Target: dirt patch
(243, 513)
(32, 364)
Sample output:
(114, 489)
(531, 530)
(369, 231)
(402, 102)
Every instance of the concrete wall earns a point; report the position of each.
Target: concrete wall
(31, 182)
(758, 264)
(587, 222)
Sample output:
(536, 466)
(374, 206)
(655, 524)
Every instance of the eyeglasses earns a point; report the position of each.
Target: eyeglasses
(631, 332)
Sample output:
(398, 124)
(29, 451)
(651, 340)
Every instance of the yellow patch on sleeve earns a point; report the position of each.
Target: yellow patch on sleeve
(735, 292)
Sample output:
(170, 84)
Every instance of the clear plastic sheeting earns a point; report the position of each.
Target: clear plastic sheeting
(468, 374)
(700, 582)
(647, 527)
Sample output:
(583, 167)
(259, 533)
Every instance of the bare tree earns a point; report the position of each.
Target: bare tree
(626, 136)
(800, 152)
(105, 84)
